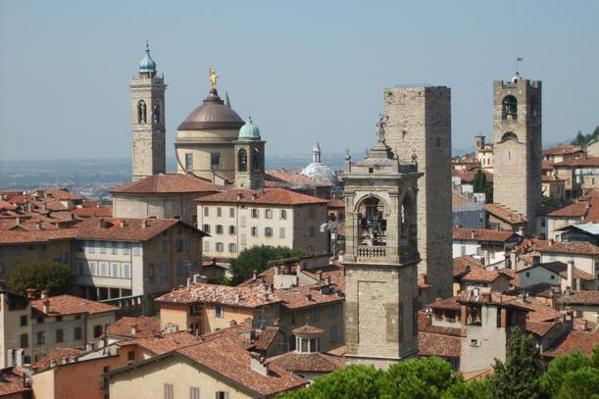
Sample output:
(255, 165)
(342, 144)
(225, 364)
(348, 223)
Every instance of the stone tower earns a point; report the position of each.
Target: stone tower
(147, 120)
(381, 257)
(419, 128)
(249, 157)
(517, 149)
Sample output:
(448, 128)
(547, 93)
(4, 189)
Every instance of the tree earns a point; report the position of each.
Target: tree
(425, 378)
(52, 276)
(469, 390)
(480, 182)
(553, 378)
(257, 258)
(518, 377)
(580, 384)
(351, 382)
(580, 139)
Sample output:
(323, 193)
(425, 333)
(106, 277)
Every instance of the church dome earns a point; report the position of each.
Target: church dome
(212, 114)
(147, 64)
(319, 171)
(249, 131)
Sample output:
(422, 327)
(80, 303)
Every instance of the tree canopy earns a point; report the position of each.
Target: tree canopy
(584, 139)
(52, 276)
(257, 258)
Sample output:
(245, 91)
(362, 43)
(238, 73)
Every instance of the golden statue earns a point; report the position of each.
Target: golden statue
(213, 77)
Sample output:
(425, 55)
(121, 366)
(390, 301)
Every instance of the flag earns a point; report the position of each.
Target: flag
(519, 59)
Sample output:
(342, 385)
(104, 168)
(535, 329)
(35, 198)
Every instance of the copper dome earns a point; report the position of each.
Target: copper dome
(212, 114)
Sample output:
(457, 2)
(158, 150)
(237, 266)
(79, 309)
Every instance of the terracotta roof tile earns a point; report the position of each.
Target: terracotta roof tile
(478, 375)
(267, 196)
(505, 214)
(246, 297)
(584, 341)
(167, 183)
(446, 303)
(307, 362)
(266, 338)
(24, 237)
(307, 330)
(580, 298)
(57, 355)
(577, 209)
(68, 305)
(431, 344)
(480, 274)
(12, 384)
(580, 162)
(291, 178)
(124, 229)
(540, 328)
(307, 296)
(548, 246)
(134, 327)
(163, 343)
(564, 149)
(98, 212)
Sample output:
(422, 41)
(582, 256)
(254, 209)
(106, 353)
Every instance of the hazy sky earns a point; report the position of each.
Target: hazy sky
(307, 70)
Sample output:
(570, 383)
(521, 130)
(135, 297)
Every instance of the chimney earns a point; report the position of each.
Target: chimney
(122, 223)
(133, 331)
(256, 364)
(328, 280)
(44, 294)
(585, 325)
(17, 220)
(31, 294)
(570, 274)
(144, 224)
(46, 306)
(521, 231)
(536, 259)
(254, 274)
(472, 234)
(319, 275)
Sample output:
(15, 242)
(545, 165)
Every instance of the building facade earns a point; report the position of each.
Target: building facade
(419, 128)
(518, 147)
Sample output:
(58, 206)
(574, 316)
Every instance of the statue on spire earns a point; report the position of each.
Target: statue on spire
(381, 124)
(213, 77)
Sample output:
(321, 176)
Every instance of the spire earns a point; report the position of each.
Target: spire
(316, 153)
(147, 64)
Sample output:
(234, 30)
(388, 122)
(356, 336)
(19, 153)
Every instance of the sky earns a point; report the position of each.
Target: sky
(307, 71)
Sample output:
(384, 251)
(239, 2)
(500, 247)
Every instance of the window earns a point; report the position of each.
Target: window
(283, 214)
(256, 159)
(255, 213)
(23, 321)
(77, 333)
(126, 270)
(41, 338)
(218, 310)
(179, 245)
(194, 393)
(231, 212)
(268, 213)
(243, 239)
(141, 111)
(219, 229)
(103, 247)
(169, 391)
(163, 270)
(189, 162)
(206, 211)
(281, 232)
(103, 269)
(222, 395)
(242, 160)
(97, 330)
(231, 229)
(136, 249)
(91, 247)
(254, 231)
(188, 245)
(114, 272)
(509, 107)
(232, 248)
(268, 232)
(59, 336)
(114, 246)
(220, 247)
(92, 268)
(24, 340)
(80, 246)
(126, 247)
(214, 161)
(527, 274)
(206, 228)
(206, 245)
(131, 355)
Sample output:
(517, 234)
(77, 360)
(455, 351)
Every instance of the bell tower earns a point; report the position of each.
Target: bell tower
(249, 157)
(517, 150)
(381, 256)
(147, 120)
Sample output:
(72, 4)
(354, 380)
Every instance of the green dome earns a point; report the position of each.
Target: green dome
(249, 130)
(147, 64)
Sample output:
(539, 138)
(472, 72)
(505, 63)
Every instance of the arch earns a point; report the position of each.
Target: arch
(141, 111)
(256, 159)
(156, 113)
(407, 216)
(509, 107)
(242, 160)
(372, 225)
(509, 136)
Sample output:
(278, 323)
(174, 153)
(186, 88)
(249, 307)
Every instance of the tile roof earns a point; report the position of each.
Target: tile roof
(11, 384)
(266, 338)
(540, 328)
(468, 176)
(336, 203)
(233, 361)
(564, 149)
(246, 297)
(160, 344)
(307, 362)
(98, 212)
(166, 183)
(134, 327)
(125, 229)
(549, 246)
(25, 237)
(505, 214)
(62, 194)
(61, 305)
(307, 296)
(307, 330)
(478, 375)
(480, 274)
(56, 355)
(446, 303)
(267, 196)
(291, 178)
(577, 209)
(554, 267)
(431, 344)
(584, 341)
(580, 298)
(580, 162)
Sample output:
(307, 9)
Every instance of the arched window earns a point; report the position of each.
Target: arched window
(156, 113)
(256, 159)
(372, 225)
(509, 136)
(509, 107)
(141, 111)
(242, 160)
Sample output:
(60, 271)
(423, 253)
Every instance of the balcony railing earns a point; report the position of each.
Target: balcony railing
(375, 253)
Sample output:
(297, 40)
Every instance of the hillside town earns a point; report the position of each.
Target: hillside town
(406, 253)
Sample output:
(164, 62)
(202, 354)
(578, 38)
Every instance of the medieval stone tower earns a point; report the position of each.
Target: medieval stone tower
(249, 159)
(381, 257)
(147, 120)
(419, 128)
(517, 150)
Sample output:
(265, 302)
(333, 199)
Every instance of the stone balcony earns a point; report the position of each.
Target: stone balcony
(384, 254)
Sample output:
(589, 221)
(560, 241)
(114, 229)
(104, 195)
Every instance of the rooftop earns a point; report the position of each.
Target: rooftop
(580, 298)
(247, 297)
(505, 214)
(267, 196)
(160, 344)
(314, 362)
(134, 327)
(61, 305)
(166, 184)
(489, 235)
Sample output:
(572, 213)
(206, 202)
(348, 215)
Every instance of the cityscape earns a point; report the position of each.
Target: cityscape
(196, 202)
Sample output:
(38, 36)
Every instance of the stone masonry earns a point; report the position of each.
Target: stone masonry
(518, 147)
(419, 128)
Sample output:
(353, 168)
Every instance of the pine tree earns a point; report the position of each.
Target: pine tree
(480, 182)
(518, 377)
